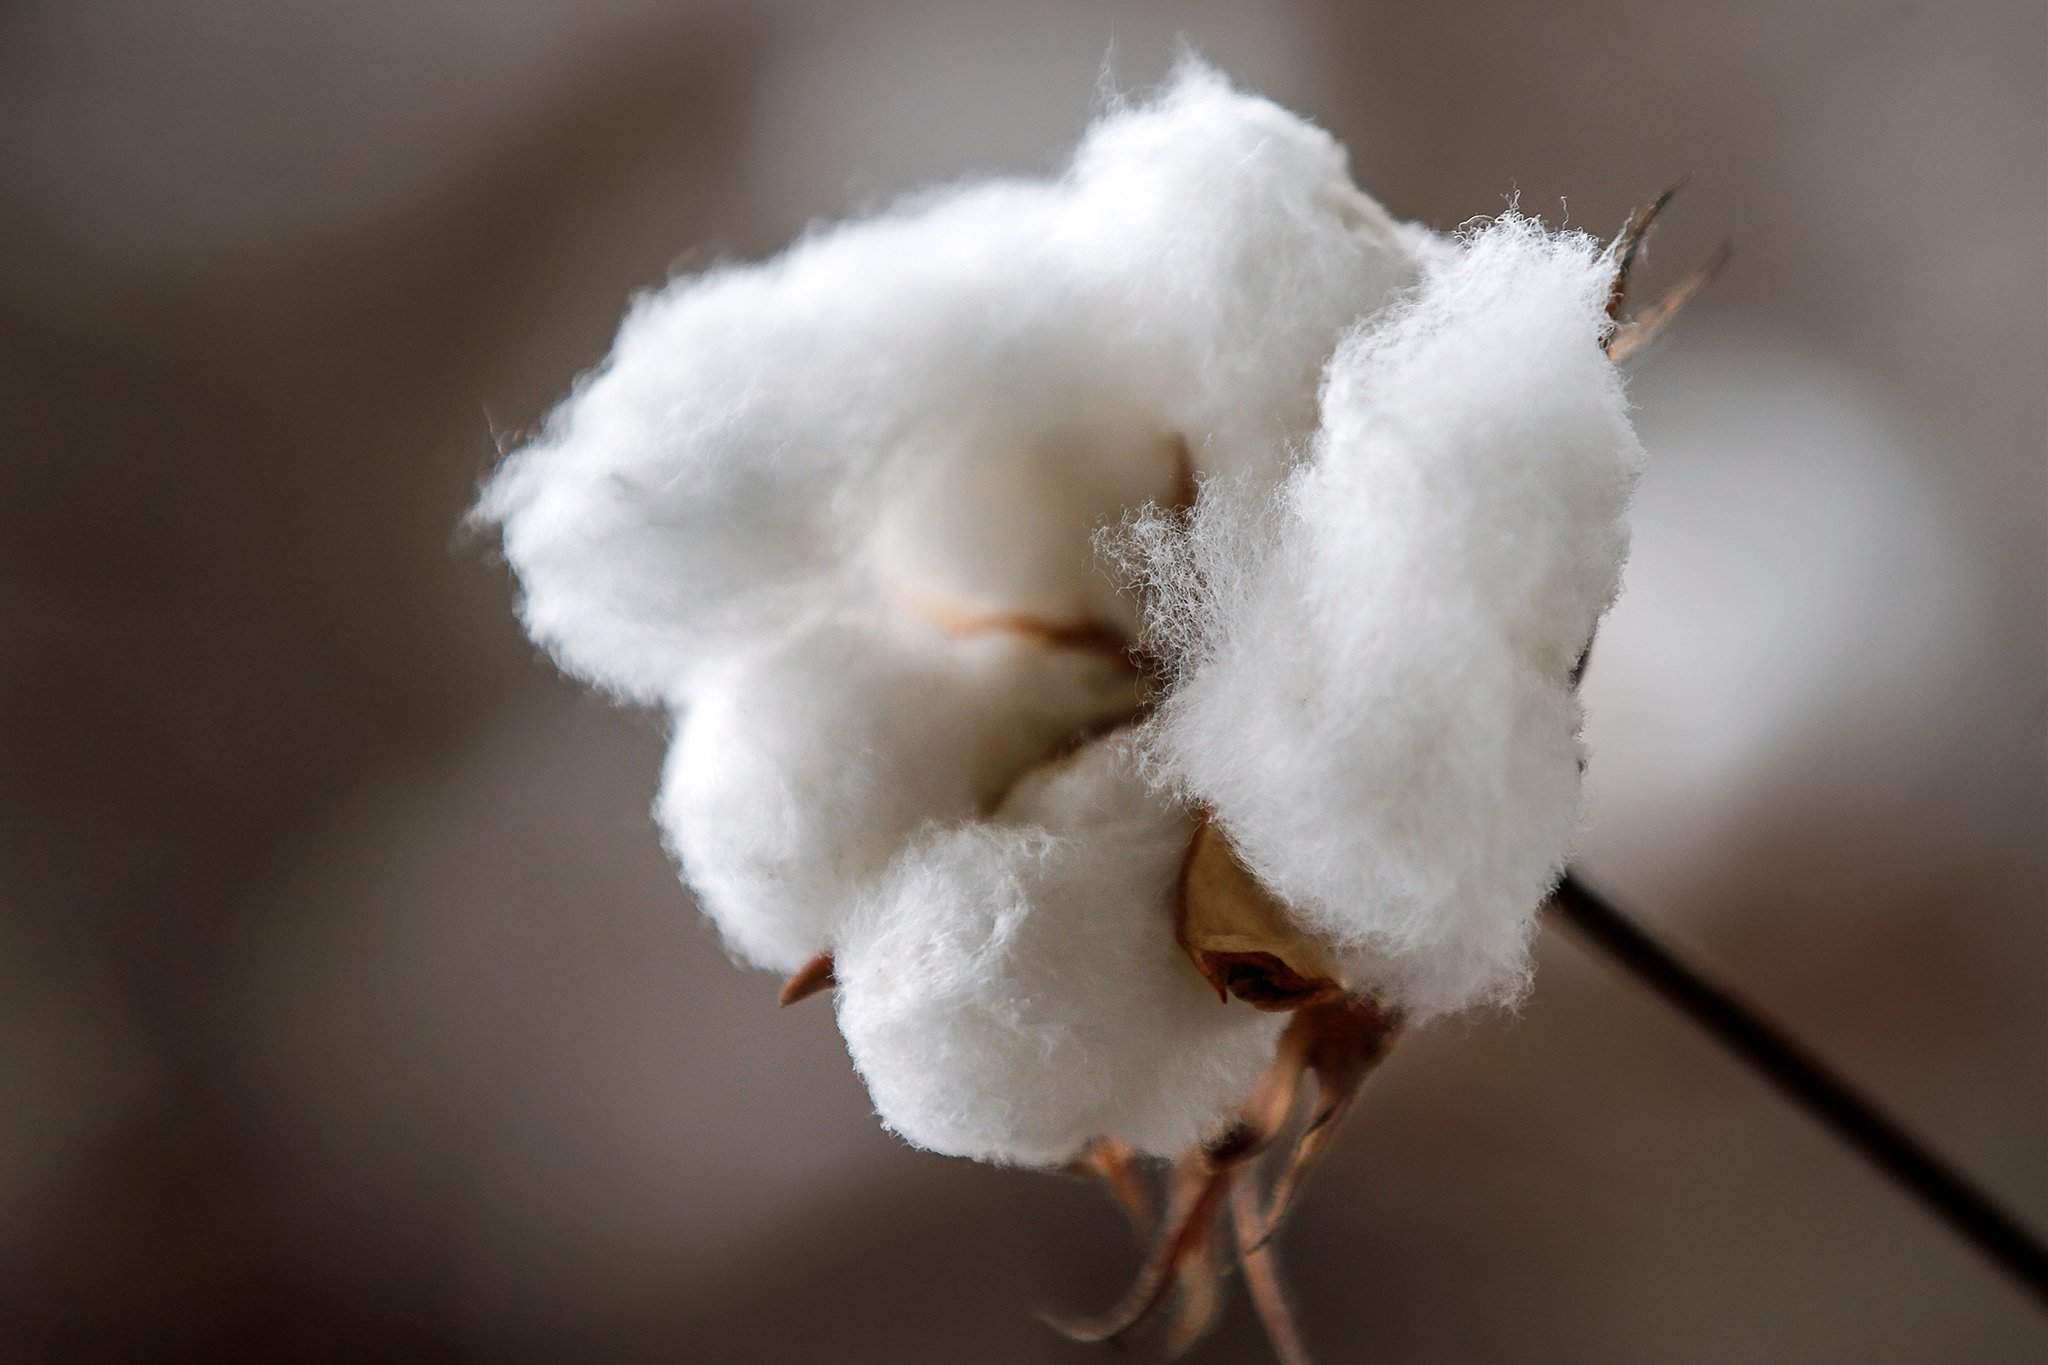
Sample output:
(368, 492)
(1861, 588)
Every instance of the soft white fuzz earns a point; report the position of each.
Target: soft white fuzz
(784, 470)
(1372, 667)
(1013, 988)
(816, 428)
(804, 765)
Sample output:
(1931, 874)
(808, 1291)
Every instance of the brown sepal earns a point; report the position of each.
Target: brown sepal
(1628, 337)
(1198, 1298)
(1115, 1165)
(1646, 326)
(1344, 1043)
(1241, 938)
(1198, 1192)
(1262, 1276)
(964, 621)
(1628, 245)
(1337, 1043)
(807, 980)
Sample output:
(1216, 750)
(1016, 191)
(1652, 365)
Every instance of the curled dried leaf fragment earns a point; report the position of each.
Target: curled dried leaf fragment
(1241, 938)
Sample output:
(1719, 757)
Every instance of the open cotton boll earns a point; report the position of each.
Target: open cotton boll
(1012, 989)
(771, 441)
(1372, 670)
(804, 765)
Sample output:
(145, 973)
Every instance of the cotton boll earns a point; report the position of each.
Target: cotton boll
(1013, 989)
(1372, 670)
(804, 764)
(774, 441)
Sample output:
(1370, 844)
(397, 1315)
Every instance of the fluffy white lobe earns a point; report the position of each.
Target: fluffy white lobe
(1012, 989)
(1372, 685)
(804, 765)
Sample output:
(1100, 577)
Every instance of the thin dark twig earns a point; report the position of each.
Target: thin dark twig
(1900, 1156)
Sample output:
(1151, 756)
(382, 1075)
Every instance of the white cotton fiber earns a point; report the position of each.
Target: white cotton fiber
(1372, 668)
(1012, 989)
(837, 511)
(804, 764)
(859, 414)
(789, 480)
(1233, 250)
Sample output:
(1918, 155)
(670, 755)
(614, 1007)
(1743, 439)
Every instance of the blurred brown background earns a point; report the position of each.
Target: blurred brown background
(348, 1008)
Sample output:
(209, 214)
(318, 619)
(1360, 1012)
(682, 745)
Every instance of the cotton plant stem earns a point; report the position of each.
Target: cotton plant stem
(1901, 1157)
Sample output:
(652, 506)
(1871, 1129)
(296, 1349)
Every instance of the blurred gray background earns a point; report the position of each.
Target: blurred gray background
(348, 1008)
